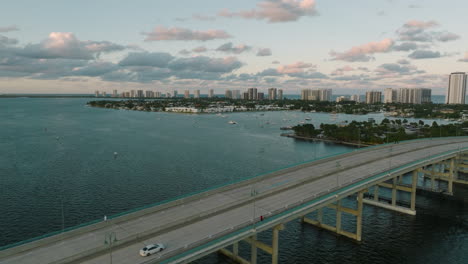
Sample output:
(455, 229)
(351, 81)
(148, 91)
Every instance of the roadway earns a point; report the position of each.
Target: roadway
(197, 220)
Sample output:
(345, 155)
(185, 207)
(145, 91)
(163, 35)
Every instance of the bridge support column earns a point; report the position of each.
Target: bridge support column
(339, 210)
(395, 187)
(254, 244)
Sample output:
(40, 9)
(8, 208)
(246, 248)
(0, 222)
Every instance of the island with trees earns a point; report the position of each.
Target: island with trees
(368, 133)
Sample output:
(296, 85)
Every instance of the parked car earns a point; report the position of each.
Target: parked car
(151, 249)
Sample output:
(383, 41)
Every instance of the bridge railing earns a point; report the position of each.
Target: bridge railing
(296, 208)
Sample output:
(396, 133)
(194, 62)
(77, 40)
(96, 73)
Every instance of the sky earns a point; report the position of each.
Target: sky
(64, 46)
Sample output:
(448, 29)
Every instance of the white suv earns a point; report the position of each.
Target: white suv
(151, 249)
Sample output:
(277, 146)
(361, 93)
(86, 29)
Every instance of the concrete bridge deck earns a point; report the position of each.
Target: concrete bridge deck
(197, 225)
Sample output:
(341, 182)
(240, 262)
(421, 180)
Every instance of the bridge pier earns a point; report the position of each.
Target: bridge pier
(254, 243)
(448, 171)
(339, 210)
(396, 186)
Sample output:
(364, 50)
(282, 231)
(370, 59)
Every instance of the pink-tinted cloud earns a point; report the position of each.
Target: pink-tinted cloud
(230, 48)
(67, 46)
(162, 33)
(420, 24)
(275, 11)
(342, 70)
(297, 67)
(363, 52)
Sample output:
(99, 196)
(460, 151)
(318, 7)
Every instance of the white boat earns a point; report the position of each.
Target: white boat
(232, 122)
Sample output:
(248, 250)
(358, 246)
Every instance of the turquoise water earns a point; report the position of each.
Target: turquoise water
(58, 169)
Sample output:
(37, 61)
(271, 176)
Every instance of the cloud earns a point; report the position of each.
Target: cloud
(405, 46)
(184, 52)
(275, 11)
(275, 62)
(230, 48)
(424, 54)
(94, 69)
(297, 67)
(205, 64)
(465, 59)
(7, 41)
(342, 70)
(446, 36)
(153, 59)
(262, 52)
(199, 49)
(65, 45)
(162, 33)
(403, 61)
(203, 17)
(394, 68)
(414, 6)
(416, 30)
(9, 28)
(363, 52)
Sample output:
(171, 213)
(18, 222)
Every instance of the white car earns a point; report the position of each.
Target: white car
(151, 249)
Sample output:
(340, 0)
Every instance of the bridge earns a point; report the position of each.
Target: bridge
(218, 219)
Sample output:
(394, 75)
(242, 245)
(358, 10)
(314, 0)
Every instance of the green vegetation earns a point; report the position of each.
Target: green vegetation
(387, 131)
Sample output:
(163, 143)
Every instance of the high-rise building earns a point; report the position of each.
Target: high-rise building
(140, 94)
(174, 93)
(149, 94)
(373, 97)
(196, 94)
(325, 94)
(426, 95)
(245, 96)
(114, 93)
(414, 95)
(456, 89)
(316, 95)
(253, 95)
(272, 93)
(236, 94)
(211, 93)
(390, 96)
(228, 94)
(280, 94)
(96, 93)
(186, 94)
(104, 94)
(260, 96)
(355, 98)
(132, 93)
(157, 94)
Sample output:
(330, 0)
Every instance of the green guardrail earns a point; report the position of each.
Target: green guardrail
(19, 243)
(317, 200)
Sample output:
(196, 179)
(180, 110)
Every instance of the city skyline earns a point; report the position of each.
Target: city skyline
(303, 44)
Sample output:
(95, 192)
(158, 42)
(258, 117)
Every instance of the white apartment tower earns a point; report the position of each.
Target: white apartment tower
(280, 94)
(211, 93)
(390, 96)
(186, 94)
(325, 94)
(456, 89)
(272, 93)
(196, 94)
(236, 94)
